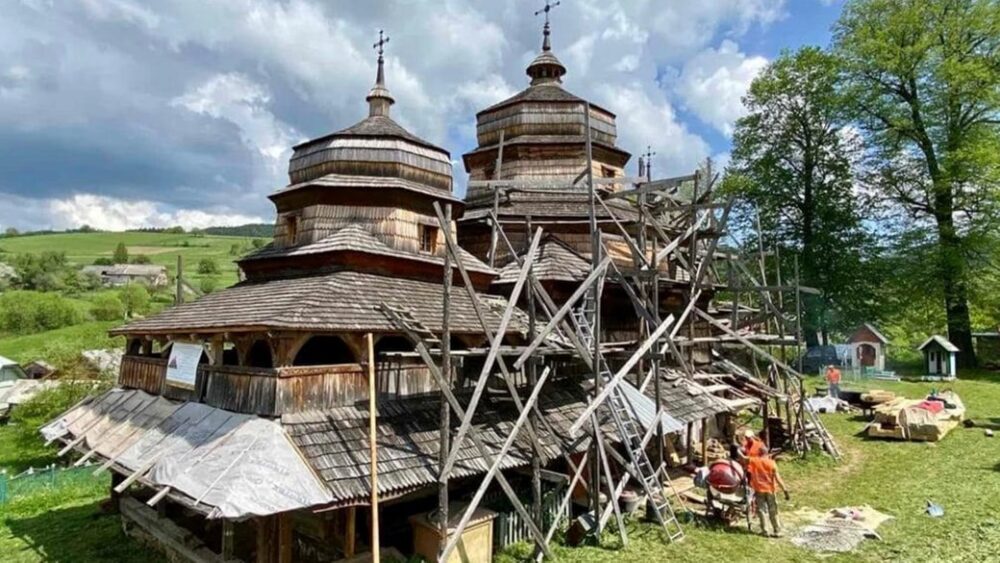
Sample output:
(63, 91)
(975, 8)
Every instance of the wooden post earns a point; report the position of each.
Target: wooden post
(349, 532)
(285, 537)
(179, 297)
(536, 462)
(687, 445)
(595, 252)
(265, 537)
(373, 449)
(444, 429)
(704, 441)
(227, 540)
(496, 204)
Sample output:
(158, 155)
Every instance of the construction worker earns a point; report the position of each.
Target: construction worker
(764, 480)
(833, 381)
(752, 446)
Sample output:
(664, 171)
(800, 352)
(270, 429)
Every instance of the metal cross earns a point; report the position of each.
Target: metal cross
(548, 8)
(380, 46)
(649, 162)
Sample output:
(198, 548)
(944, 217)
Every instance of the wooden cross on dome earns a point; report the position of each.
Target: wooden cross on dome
(380, 45)
(546, 45)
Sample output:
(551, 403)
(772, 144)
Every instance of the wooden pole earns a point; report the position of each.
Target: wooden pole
(373, 449)
(494, 220)
(179, 296)
(536, 462)
(445, 413)
(595, 250)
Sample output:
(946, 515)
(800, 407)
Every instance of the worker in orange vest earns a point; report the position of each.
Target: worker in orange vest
(833, 381)
(752, 446)
(764, 480)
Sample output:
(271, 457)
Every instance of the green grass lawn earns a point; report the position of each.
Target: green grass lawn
(60, 347)
(962, 473)
(162, 248)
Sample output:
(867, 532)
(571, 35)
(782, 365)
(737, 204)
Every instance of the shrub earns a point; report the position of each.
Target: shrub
(107, 307)
(141, 259)
(258, 242)
(25, 312)
(208, 267)
(208, 285)
(135, 299)
(104, 262)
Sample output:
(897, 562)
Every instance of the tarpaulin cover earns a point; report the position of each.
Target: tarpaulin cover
(238, 465)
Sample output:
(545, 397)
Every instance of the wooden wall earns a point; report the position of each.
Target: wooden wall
(273, 392)
(394, 227)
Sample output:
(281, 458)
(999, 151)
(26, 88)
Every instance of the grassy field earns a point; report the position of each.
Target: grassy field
(62, 346)
(962, 473)
(161, 248)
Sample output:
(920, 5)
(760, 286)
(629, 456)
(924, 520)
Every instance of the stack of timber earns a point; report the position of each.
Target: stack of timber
(906, 419)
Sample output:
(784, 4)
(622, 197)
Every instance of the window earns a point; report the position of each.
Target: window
(428, 238)
(607, 172)
(292, 229)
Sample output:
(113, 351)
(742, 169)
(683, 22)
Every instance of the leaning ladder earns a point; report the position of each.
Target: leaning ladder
(630, 432)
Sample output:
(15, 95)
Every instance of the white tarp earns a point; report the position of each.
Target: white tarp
(238, 465)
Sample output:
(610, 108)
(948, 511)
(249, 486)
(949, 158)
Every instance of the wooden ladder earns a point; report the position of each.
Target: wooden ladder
(630, 434)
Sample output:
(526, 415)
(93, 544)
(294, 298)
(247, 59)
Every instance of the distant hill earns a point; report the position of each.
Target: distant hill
(253, 230)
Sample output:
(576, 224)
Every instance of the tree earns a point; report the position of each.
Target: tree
(208, 267)
(135, 298)
(792, 163)
(924, 77)
(11, 232)
(141, 259)
(107, 307)
(121, 254)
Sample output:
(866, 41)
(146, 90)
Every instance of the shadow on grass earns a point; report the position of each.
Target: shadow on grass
(75, 534)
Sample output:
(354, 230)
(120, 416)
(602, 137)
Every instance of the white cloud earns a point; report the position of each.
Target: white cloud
(713, 83)
(241, 101)
(111, 214)
(644, 121)
(196, 103)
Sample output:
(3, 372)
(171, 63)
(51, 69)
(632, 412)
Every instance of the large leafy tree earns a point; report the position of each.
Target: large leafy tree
(924, 79)
(792, 162)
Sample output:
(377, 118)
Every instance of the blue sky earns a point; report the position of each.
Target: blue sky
(121, 113)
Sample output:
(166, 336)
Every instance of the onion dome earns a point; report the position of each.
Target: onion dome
(376, 146)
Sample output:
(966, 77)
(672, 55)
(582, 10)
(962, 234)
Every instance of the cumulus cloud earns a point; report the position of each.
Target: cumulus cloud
(713, 82)
(187, 105)
(111, 214)
(653, 122)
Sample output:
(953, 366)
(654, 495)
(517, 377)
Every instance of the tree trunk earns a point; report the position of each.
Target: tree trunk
(952, 269)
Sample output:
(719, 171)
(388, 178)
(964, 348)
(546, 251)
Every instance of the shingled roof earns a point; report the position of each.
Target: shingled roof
(686, 400)
(335, 441)
(369, 183)
(556, 261)
(355, 238)
(332, 301)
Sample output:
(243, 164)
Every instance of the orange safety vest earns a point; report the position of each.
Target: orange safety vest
(753, 447)
(833, 376)
(763, 474)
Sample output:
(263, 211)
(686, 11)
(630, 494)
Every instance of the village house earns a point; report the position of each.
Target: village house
(118, 275)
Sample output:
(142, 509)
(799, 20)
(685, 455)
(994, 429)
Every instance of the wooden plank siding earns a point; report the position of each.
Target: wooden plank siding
(277, 391)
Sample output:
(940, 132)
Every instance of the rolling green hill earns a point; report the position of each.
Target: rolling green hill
(161, 248)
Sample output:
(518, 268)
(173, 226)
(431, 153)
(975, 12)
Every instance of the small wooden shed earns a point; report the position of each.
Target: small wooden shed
(940, 356)
(868, 347)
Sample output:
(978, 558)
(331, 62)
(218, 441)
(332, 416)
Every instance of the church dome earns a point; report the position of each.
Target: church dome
(376, 146)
